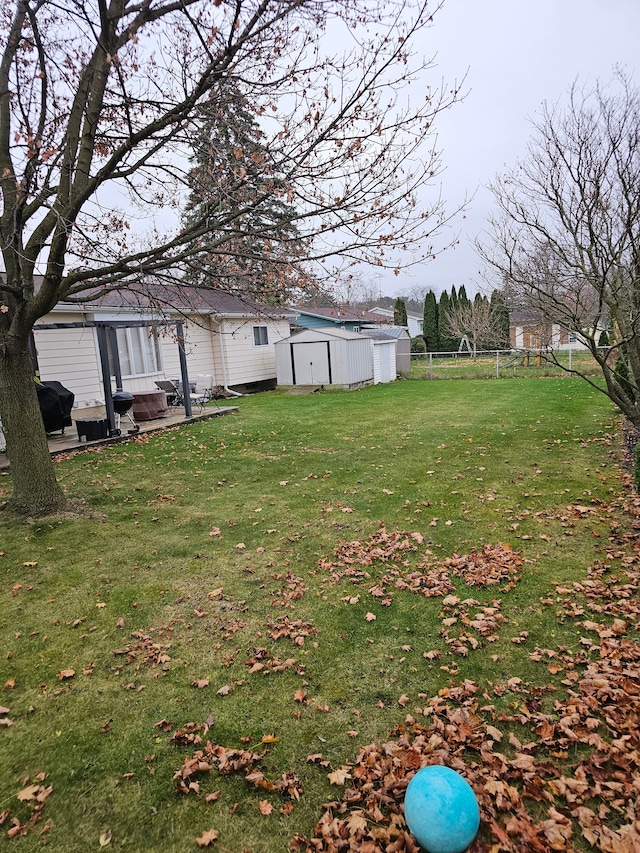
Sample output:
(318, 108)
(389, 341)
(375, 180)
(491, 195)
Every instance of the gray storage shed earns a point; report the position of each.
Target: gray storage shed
(403, 346)
(324, 357)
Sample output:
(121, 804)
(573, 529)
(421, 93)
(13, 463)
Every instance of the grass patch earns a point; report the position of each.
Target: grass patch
(506, 366)
(205, 600)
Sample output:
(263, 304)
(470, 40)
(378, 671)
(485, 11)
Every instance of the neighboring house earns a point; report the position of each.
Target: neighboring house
(530, 333)
(225, 336)
(325, 356)
(350, 319)
(415, 322)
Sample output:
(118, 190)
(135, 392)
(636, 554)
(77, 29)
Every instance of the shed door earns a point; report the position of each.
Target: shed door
(311, 364)
(385, 363)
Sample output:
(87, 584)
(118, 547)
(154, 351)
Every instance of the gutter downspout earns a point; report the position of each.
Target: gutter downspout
(223, 363)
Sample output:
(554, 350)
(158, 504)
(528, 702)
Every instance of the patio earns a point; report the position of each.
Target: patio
(65, 442)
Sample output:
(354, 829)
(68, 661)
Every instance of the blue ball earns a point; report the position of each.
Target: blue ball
(441, 810)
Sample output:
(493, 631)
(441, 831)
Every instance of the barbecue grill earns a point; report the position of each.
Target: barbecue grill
(122, 403)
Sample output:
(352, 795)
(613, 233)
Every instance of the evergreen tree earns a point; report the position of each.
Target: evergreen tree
(233, 184)
(447, 303)
(400, 312)
(463, 299)
(499, 308)
(453, 299)
(430, 330)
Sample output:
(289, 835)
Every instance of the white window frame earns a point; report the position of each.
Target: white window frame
(139, 351)
(257, 336)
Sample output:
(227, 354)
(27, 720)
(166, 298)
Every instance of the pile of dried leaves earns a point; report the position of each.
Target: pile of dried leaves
(33, 795)
(359, 562)
(573, 775)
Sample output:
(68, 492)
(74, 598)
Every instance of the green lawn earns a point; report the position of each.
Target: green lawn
(232, 586)
(506, 365)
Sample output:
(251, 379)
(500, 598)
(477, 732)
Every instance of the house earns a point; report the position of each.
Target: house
(228, 337)
(327, 356)
(415, 322)
(529, 332)
(350, 319)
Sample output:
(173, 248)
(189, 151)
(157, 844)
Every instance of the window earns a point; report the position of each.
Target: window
(260, 336)
(138, 350)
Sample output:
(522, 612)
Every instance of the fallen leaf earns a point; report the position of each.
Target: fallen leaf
(207, 838)
(105, 838)
(340, 776)
(64, 674)
(265, 807)
(370, 617)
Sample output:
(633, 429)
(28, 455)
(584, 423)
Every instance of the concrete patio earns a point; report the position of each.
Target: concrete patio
(68, 441)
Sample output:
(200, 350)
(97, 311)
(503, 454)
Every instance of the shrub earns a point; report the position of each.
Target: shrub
(418, 344)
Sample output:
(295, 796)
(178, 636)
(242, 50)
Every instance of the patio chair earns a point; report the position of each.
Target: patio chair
(201, 391)
(174, 397)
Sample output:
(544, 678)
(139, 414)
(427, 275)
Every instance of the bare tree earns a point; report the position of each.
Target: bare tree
(99, 101)
(566, 239)
(477, 320)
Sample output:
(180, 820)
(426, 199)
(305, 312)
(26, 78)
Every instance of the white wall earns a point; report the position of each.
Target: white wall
(70, 356)
(246, 362)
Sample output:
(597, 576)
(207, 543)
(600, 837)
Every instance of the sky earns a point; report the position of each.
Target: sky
(517, 54)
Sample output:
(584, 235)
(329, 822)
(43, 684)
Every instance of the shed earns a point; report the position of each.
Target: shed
(325, 357)
(403, 346)
(383, 355)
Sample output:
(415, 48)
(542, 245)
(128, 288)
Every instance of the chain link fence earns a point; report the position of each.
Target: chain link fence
(499, 364)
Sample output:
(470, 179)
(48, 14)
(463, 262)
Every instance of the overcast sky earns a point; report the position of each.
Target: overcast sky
(519, 53)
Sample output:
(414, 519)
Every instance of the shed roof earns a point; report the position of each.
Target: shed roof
(378, 335)
(395, 332)
(312, 335)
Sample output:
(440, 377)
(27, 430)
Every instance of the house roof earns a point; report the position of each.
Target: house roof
(202, 300)
(165, 297)
(341, 315)
(389, 312)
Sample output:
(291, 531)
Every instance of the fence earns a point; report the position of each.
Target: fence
(498, 364)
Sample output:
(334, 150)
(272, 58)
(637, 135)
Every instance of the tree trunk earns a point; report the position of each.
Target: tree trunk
(35, 488)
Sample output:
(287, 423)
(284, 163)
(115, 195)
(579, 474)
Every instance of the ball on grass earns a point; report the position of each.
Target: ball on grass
(441, 810)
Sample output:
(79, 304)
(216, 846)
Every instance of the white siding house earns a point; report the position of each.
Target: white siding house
(414, 321)
(228, 338)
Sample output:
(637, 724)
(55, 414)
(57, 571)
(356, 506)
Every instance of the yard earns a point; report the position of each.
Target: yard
(504, 365)
(434, 571)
